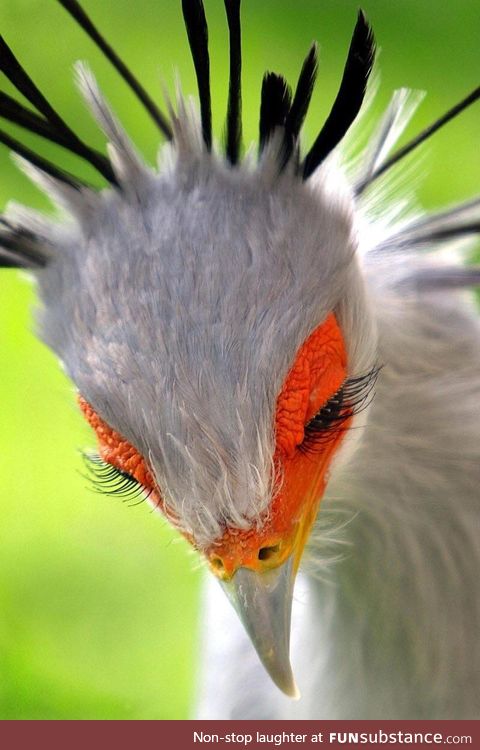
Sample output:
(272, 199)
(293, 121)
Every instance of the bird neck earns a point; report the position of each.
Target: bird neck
(398, 610)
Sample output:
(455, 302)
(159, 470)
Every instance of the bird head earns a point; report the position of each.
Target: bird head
(216, 370)
(213, 318)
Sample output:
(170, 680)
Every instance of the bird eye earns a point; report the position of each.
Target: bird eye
(353, 397)
(110, 480)
(329, 414)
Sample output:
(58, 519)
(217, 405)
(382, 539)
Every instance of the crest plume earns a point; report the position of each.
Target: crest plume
(234, 114)
(197, 31)
(349, 98)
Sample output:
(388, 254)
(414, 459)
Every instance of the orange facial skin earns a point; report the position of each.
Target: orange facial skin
(118, 452)
(317, 374)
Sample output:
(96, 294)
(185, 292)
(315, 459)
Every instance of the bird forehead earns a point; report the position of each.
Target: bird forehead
(213, 277)
(206, 221)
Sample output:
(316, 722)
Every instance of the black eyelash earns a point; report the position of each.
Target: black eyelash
(351, 398)
(109, 480)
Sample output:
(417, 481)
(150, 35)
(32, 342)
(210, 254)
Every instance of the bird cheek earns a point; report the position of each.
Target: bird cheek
(304, 480)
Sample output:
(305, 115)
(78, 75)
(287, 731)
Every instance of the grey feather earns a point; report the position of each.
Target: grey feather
(127, 163)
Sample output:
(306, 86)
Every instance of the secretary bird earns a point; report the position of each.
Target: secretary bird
(257, 341)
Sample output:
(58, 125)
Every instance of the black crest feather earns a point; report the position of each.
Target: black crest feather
(301, 101)
(14, 254)
(15, 112)
(275, 105)
(12, 69)
(349, 98)
(303, 92)
(20, 248)
(51, 126)
(77, 12)
(420, 138)
(234, 114)
(7, 262)
(197, 31)
(38, 161)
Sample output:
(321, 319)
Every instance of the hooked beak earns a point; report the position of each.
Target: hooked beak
(263, 601)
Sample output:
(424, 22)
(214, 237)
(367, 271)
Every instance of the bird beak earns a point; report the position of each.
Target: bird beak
(263, 601)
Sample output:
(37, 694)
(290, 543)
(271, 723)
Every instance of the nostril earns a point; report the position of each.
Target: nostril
(266, 553)
(217, 563)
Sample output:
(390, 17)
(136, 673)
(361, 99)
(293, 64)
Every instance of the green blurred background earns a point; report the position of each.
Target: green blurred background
(99, 602)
